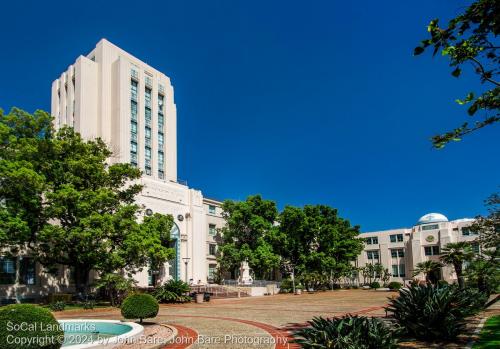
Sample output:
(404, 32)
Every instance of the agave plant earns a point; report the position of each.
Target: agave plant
(348, 332)
(434, 312)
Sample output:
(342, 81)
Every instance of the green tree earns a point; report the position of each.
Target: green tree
(430, 269)
(61, 200)
(316, 239)
(470, 38)
(248, 233)
(456, 254)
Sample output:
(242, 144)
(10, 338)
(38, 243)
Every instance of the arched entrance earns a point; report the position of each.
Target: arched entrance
(175, 263)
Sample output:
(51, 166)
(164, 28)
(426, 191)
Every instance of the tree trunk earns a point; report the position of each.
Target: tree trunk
(458, 271)
(81, 279)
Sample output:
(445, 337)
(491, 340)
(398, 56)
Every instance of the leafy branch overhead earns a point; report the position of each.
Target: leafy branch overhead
(470, 39)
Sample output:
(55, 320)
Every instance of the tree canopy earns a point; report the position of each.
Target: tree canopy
(311, 239)
(63, 202)
(470, 39)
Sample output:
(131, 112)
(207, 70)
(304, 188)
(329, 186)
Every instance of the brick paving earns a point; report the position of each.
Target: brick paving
(253, 322)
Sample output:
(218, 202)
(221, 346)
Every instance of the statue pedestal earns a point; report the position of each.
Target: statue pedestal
(245, 278)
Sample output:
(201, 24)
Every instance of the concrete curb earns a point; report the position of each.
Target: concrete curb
(168, 339)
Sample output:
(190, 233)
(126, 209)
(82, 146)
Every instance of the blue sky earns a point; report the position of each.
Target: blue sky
(302, 102)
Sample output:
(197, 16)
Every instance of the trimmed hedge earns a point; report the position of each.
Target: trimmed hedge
(394, 285)
(139, 306)
(375, 285)
(29, 326)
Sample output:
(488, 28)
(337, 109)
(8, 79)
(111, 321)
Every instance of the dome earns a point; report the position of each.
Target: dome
(432, 218)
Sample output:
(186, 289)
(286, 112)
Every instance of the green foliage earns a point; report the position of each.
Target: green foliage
(173, 291)
(116, 286)
(46, 332)
(89, 304)
(470, 39)
(434, 312)
(64, 202)
(394, 285)
(430, 269)
(375, 285)
(248, 234)
(57, 306)
(56, 297)
(318, 242)
(348, 332)
(456, 254)
(139, 306)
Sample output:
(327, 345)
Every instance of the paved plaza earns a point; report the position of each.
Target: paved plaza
(253, 322)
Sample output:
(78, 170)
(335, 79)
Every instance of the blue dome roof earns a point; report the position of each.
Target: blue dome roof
(432, 218)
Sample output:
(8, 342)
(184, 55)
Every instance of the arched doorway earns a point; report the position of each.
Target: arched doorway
(174, 269)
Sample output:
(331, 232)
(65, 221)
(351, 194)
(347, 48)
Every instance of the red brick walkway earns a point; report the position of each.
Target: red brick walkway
(185, 336)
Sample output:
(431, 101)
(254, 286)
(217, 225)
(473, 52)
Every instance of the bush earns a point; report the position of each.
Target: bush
(434, 312)
(90, 304)
(375, 285)
(394, 285)
(174, 291)
(139, 306)
(57, 306)
(346, 333)
(59, 297)
(46, 332)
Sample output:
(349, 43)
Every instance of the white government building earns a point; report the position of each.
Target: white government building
(400, 250)
(110, 94)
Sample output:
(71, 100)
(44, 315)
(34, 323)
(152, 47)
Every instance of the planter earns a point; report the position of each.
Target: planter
(199, 297)
(298, 291)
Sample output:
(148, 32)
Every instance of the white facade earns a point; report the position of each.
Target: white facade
(400, 250)
(110, 94)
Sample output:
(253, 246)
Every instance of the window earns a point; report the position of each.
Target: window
(148, 81)
(160, 140)
(160, 104)
(148, 132)
(212, 249)
(133, 90)
(212, 229)
(396, 238)
(133, 110)
(430, 227)
(431, 250)
(147, 116)
(475, 247)
(398, 270)
(211, 209)
(161, 174)
(372, 254)
(134, 73)
(133, 147)
(373, 240)
(7, 271)
(211, 271)
(161, 121)
(27, 272)
(147, 97)
(395, 253)
(466, 231)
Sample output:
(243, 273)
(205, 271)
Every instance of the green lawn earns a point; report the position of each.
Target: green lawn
(490, 334)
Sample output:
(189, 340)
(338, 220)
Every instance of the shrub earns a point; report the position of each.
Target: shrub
(46, 332)
(139, 306)
(116, 287)
(59, 297)
(375, 285)
(174, 291)
(346, 333)
(433, 312)
(394, 285)
(90, 304)
(57, 306)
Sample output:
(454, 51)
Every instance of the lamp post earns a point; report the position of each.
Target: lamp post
(186, 261)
